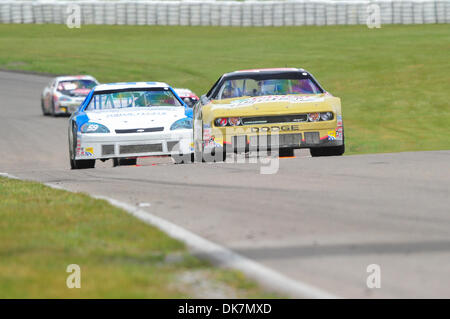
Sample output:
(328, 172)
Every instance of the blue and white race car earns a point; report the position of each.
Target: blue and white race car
(124, 121)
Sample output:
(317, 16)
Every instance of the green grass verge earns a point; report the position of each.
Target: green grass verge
(43, 230)
(393, 81)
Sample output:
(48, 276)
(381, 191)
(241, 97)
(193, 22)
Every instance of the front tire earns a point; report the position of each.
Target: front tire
(77, 164)
(82, 164)
(327, 151)
(124, 162)
(53, 113)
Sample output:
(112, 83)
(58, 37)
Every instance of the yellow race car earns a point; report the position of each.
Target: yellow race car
(268, 109)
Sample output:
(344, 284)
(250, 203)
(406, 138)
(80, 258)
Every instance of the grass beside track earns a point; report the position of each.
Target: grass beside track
(393, 81)
(43, 230)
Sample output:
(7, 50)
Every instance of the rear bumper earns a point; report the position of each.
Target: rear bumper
(256, 142)
(66, 108)
(105, 146)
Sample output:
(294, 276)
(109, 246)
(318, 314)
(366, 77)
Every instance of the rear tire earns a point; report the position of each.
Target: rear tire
(286, 152)
(82, 164)
(327, 151)
(44, 112)
(124, 162)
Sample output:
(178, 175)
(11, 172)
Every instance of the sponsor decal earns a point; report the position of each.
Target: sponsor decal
(331, 135)
(218, 142)
(275, 128)
(81, 91)
(89, 151)
(339, 128)
(314, 117)
(79, 149)
(268, 99)
(339, 133)
(207, 134)
(136, 114)
(213, 142)
(277, 98)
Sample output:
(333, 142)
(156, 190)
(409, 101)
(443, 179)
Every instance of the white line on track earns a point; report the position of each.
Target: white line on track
(8, 176)
(218, 254)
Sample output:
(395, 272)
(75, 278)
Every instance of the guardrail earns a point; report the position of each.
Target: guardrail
(228, 13)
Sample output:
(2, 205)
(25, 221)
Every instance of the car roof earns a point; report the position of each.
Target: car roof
(75, 77)
(183, 91)
(267, 70)
(130, 85)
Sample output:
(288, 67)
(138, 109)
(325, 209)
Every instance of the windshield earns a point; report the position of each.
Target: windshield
(75, 86)
(253, 87)
(132, 98)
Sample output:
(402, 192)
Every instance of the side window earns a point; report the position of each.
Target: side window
(231, 89)
(213, 89)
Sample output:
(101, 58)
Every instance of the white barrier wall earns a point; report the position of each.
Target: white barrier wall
(228, 13)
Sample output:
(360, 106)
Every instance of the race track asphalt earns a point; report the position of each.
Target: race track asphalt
(321, 221)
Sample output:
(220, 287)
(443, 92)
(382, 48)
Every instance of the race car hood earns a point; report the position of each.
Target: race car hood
(137, 117)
